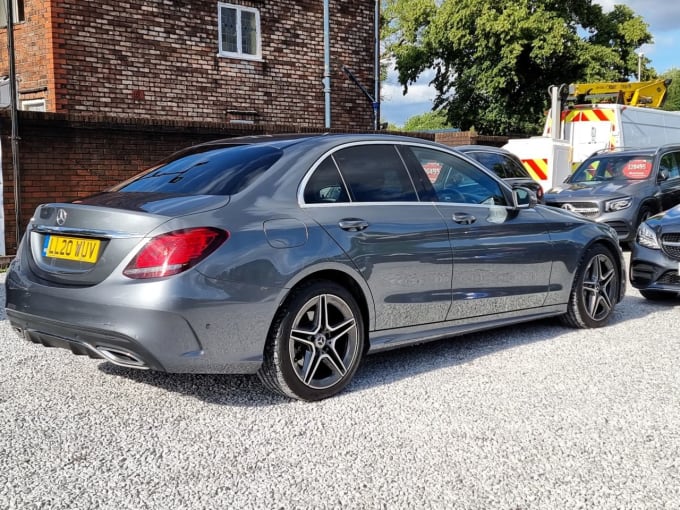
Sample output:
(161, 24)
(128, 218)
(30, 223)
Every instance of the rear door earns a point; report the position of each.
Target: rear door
(502, 258)
(363, 196)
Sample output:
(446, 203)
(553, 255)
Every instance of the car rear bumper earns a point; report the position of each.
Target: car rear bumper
(145, 327)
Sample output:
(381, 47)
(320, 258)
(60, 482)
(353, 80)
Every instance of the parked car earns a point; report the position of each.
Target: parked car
(292, 257)
(505, 165)
(655, 257)
(622, 188)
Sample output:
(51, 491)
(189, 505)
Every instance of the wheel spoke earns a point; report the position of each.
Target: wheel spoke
(310, 366)
(599, 278)
(334, 363)
(341, 329)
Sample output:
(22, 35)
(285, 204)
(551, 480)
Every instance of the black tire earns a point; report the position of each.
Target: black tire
(658, 295)
(595, 290)
(315, 343)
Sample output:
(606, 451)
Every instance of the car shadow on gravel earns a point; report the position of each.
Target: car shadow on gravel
(380, 368)
(221, 389)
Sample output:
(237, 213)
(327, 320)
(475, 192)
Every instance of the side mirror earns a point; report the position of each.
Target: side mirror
(523, 198)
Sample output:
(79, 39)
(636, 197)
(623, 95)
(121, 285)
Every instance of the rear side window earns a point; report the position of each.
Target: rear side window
(214, 171)
(375, 173)
(325, 185)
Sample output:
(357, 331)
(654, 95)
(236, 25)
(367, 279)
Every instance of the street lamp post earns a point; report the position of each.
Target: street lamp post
(640, 56)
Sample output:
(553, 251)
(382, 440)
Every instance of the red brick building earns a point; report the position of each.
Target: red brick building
(240, 61)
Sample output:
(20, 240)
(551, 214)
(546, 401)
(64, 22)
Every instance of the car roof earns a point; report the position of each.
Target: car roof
(481, 148)
(286, 140)
(636, 151)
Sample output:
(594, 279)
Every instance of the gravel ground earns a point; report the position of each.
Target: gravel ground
(534, 416)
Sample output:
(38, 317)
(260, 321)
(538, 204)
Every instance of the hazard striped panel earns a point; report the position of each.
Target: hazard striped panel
(590, 116)
(538, 168)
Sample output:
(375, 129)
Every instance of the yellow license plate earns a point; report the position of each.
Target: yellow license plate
(71, 248)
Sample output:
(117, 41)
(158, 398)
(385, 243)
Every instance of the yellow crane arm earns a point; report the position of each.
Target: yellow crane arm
(643, 93)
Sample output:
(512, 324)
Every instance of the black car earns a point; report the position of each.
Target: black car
(655, 258)
(622, 188)
(505, 165)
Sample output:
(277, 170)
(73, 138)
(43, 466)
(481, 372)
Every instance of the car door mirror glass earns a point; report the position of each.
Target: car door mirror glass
(524, 198)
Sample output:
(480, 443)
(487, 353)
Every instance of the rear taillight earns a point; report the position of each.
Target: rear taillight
(174, 252)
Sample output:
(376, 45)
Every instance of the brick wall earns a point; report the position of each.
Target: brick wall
(456, 138)
(158, 59)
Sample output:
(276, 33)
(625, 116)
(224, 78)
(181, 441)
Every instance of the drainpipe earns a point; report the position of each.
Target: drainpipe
(15, 122)
(327, 62)
(376, 93)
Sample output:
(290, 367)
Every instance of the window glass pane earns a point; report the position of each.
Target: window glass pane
(375, 173)
(228, 27)
(214, 171)
(325, 185)
(459, 181)
(248, 33)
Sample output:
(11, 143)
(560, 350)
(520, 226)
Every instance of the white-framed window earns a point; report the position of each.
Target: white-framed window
(17, 12)
(33, 105)
(239, 31)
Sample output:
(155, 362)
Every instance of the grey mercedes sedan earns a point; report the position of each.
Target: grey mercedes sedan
(292, 257)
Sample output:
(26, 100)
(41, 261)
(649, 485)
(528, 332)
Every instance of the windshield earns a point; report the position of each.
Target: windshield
(623, 167)
(209, 171)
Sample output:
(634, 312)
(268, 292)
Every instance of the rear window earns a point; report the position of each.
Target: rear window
(214, 171)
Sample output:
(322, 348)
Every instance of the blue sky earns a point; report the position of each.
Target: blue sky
(662, 16)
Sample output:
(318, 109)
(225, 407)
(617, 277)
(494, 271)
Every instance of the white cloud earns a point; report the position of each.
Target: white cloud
(417, 93)
(661, 16)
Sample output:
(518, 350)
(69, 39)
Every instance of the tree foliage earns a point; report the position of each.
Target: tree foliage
(673, 95)
(494, 60)
(427, 121)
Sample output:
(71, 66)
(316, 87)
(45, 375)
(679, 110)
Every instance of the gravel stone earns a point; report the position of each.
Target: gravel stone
(531, 416)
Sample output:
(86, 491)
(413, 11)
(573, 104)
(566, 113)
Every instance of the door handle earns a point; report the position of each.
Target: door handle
(464, 218)
(353, 224)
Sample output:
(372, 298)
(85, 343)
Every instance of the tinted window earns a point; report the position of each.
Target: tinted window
(457, 180)
(623, 167)
(503, 166)
(325, 185)
(669, 162)
(214, 171)
(375, 173)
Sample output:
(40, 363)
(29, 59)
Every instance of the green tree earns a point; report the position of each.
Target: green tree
(673, 95)
(494, 60)
(427, 121)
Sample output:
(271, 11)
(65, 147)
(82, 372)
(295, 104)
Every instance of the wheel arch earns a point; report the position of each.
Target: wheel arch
(355, 285)
(615, 250)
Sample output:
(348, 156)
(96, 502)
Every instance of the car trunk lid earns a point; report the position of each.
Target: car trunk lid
(82, 243)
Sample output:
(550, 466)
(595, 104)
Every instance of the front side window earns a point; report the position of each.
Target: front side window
(457, 180)
(671, 163)
(239, 31)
